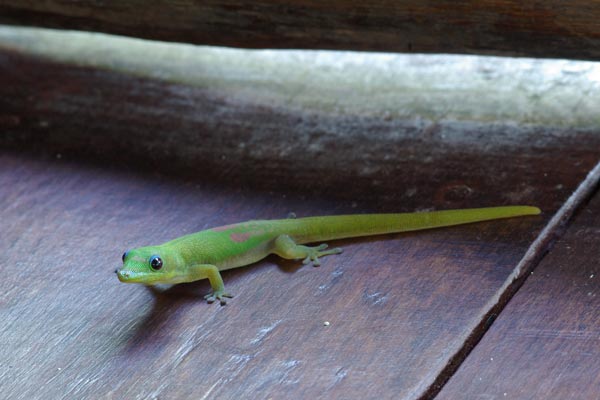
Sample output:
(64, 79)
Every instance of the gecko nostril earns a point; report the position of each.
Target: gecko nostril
(117, 271)
(122, 274)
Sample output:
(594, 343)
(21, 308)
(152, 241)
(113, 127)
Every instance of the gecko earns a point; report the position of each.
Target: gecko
(203, 255)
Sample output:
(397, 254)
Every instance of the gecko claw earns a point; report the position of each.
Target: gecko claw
(218, 295)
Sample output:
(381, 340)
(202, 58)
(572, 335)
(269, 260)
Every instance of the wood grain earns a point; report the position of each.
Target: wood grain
(94, 162)
(546, 342)
(507, 27)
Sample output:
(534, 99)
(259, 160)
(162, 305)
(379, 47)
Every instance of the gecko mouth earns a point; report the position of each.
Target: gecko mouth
(127, 276)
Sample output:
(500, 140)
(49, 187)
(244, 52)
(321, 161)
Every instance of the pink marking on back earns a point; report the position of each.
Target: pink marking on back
(240, 237)
(223, 228)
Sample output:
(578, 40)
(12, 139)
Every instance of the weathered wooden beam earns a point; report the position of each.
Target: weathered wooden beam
(503, 27)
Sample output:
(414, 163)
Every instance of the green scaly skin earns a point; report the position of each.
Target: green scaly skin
(204, 254)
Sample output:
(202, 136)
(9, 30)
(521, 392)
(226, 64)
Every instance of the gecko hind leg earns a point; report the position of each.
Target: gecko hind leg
(285, 247)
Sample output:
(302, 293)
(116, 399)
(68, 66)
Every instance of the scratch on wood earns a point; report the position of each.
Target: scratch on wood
(336, 276)
(238, 361)
(156, 393)
(209, 391)
(340, 375)
(288, 366)
(376, 298)
(264, 332)
(557, 334)
(188, 347)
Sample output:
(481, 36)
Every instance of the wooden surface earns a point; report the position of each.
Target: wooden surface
(94, 161)
(409, 301)
(509, 27)
(546, 342)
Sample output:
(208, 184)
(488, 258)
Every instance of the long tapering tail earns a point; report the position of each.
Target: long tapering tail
(306, 230)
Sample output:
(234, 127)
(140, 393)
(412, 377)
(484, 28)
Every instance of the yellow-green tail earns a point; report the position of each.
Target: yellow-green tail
(306, 230)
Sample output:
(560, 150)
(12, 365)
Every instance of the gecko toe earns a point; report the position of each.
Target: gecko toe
(212, 297)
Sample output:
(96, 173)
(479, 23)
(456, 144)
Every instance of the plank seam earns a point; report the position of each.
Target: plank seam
(544, 242)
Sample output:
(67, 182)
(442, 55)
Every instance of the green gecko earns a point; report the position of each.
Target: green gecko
(204, 254)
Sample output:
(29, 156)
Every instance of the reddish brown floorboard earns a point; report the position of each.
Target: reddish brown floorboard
(400, 307)
(546, 342)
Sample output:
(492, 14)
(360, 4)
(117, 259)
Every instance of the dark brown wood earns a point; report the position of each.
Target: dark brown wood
(546, 342)
(550, 28)
(94, 162)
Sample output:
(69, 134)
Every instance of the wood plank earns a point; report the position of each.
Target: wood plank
(69, 326)
(95, 161)
(546, 343)
(507, 27)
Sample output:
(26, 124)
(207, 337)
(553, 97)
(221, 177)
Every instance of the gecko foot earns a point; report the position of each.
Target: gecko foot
(313, 254)
(217, 295)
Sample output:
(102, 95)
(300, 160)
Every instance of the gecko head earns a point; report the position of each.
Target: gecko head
(148, 265)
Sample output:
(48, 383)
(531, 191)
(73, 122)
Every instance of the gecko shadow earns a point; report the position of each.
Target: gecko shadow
(167, 307)
(170, 305)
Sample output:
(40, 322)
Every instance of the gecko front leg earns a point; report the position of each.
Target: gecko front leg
(285, 247)
(216, 282)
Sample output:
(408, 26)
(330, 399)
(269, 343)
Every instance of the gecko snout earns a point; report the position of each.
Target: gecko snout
(122, 275)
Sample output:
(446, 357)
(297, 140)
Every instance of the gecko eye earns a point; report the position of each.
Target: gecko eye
(156, 263)
(125, 255)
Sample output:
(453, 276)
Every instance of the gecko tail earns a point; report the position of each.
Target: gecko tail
(346, 226)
